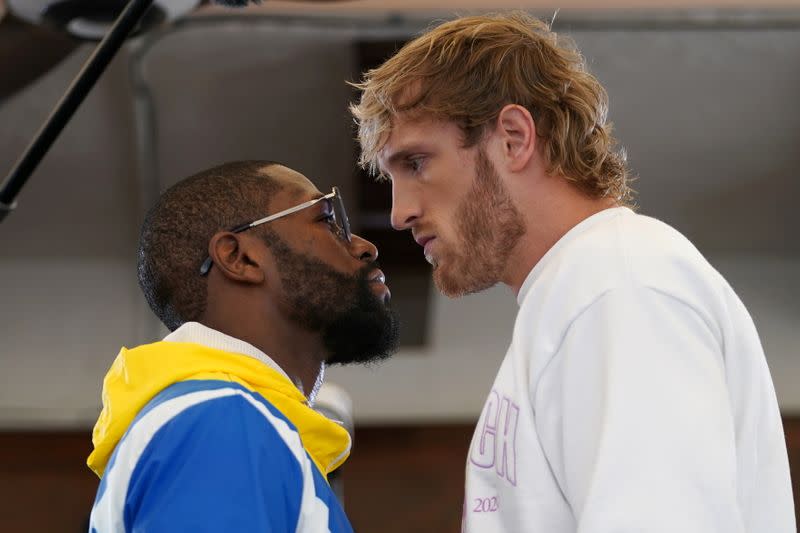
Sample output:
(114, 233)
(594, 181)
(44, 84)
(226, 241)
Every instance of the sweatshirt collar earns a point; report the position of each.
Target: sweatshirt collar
(198, 333)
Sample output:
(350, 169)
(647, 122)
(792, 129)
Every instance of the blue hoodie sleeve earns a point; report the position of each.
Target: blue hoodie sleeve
(217, 466)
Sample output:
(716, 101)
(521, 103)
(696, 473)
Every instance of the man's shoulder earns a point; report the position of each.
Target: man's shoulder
(200, 422)
(659, 257)
(630, 249)
(213, 415)
(188, 405)
(208, 441)
(624, 251)
(202, 391)
(617, 240)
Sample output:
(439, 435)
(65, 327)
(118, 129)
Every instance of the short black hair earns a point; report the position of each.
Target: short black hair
(175, 233)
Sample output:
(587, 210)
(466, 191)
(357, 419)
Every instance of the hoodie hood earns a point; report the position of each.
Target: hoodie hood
(139, 374)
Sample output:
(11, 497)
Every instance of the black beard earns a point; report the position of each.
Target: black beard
(356, 326)
(366, 332)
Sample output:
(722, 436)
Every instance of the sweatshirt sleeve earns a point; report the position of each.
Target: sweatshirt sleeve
(217, 466)
(636, 420)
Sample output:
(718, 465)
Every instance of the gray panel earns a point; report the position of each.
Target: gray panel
(711, 126)
(81, 200)
(253, 91)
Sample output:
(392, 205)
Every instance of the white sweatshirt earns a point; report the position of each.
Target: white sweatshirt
(634, 398)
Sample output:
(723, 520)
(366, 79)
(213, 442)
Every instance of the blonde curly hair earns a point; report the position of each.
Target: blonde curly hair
(466, 70)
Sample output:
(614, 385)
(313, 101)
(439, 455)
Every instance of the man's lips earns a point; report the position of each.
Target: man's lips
(422, 240)
(427, 243)
(377, 276)
(377, 280)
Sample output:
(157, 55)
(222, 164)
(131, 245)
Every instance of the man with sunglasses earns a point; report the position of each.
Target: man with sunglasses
(262, 284)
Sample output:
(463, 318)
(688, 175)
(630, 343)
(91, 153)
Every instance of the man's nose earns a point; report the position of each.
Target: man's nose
(362, 249)
(405, 206)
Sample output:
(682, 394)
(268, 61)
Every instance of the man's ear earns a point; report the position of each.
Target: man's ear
(517, 131)
(234, 256)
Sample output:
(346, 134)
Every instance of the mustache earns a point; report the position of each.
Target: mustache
(364, 272)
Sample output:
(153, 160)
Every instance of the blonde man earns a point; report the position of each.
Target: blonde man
(635, 396)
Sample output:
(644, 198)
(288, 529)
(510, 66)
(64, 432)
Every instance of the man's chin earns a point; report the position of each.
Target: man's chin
(381, 292)
(455, 284)
(363, 336)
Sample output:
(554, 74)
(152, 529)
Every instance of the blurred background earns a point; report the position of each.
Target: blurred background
(703, 96)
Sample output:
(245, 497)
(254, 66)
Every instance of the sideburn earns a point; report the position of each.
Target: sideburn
(490, 227)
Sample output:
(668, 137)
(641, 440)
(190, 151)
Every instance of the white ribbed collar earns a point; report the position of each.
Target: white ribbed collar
(576, 230)
(199, 334)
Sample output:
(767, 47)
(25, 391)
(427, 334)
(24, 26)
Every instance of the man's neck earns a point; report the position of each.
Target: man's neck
(297, 351)
(549, 215)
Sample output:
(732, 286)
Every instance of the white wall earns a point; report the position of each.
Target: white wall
(708, 118)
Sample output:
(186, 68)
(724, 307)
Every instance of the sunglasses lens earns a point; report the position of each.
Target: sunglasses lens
(341, 214)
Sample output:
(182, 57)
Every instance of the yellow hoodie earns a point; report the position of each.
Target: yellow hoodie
(139, 374)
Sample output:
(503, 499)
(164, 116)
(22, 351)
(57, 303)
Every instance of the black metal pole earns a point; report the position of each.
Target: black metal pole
(69, 103)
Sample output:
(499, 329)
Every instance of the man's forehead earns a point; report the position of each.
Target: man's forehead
(293, 184)
(409, 133)
(294, 188)
(404, 130)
